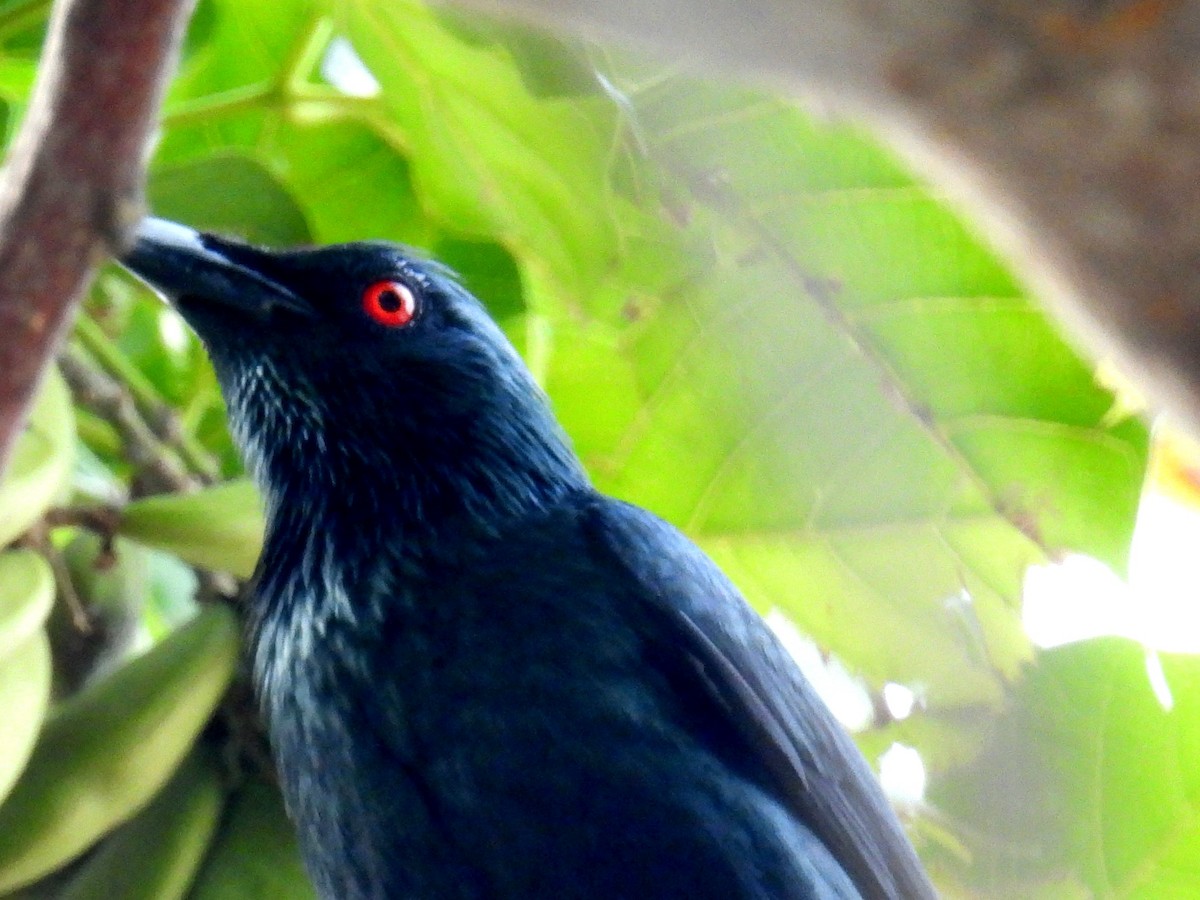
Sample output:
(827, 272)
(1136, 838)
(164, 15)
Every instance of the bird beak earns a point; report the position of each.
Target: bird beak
(184, 264)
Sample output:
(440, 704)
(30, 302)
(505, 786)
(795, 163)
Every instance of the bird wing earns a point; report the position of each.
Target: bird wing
(819, 773)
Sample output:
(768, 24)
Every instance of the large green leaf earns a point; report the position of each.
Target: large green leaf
(489, 158)
(24, 697)
(250, 202)
(846, 399)
(351, 182)
(240, 69)
(1088, 773)
(157, 853)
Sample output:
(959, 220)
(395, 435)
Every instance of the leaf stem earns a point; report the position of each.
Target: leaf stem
(306, 55)
(238, 99)
(303, 100)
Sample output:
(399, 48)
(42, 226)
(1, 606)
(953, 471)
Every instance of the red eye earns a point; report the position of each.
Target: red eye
(390, 303)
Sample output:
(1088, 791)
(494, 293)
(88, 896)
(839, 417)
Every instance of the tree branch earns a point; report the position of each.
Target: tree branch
(1071, 129)
(72, 189)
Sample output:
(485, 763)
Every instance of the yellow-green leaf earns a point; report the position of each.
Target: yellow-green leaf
(41, 462)
(24, 695)
(109, 749)
(26, 595)
(255, 854)
(218, 528)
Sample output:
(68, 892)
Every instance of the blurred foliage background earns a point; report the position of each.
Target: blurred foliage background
(756, 323)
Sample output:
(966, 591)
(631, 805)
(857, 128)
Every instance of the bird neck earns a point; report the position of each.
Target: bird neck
(361, 512)
(414, 492)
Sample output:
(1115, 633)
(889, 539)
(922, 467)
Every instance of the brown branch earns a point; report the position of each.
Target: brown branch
(72, 189)
(80, 616)
(102, 521)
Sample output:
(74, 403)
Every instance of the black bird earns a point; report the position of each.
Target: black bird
(481, 678)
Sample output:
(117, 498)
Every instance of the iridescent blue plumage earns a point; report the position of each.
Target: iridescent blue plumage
(481, 678)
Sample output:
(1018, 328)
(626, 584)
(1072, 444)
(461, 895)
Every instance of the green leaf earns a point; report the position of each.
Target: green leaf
(109, 749)
(488, 157)
(156, 855)
(250, 203)
(218, 528)
(41, 463)
(109, 577)
(488, 271)
(255, 854)
(249, 46)
(1089, 773)
(550, 66)
(846, 399)
(24, 697)
(350, 182)
(27, 589)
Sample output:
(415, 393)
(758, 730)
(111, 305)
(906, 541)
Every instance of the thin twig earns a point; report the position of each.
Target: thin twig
(81, 618)
(162, 418)
(159, 469)
(103, 521)
(38, 538)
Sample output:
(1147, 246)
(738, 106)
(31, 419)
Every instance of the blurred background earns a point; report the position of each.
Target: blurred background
(751, 319)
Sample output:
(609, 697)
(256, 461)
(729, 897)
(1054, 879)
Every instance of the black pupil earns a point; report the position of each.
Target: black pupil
(389, 301)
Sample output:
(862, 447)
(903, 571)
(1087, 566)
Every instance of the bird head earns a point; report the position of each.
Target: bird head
(362, 371)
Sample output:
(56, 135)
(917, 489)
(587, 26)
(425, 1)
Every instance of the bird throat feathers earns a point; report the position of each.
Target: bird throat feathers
(427, 473)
